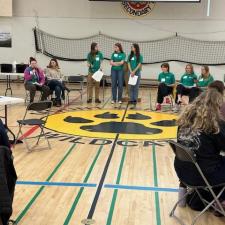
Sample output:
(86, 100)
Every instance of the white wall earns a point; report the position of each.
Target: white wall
(81, 18)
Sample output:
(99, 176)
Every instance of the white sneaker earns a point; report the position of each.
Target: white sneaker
(120, 102)
(112, 102)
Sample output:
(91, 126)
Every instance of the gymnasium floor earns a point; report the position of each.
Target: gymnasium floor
(113, 181)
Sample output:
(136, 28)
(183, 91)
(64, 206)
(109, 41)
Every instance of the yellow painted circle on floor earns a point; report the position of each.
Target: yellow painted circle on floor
(107, 123)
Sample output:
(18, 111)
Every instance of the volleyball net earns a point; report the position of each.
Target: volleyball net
(175, 48)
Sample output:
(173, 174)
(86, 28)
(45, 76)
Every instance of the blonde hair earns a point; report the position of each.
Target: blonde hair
(203, 114)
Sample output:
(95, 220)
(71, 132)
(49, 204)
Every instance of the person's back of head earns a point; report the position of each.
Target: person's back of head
(204, 113)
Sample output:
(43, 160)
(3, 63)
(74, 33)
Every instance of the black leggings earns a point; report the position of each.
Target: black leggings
(192, 92)
(163, 91)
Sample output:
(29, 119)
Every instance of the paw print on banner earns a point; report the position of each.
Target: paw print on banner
(137, 125)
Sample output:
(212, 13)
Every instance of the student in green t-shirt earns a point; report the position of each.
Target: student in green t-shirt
(205, 78)
(135, 60)
(187, 85)
(117, 74)
(94, 61)
(166, 83)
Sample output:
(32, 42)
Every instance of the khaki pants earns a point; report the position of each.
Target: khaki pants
(90, 84)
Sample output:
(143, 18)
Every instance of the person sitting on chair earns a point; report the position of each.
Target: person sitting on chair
(165, 88)
(187, 85)
(201, 128)
(205, 78)
(55, 80)
(35, 80)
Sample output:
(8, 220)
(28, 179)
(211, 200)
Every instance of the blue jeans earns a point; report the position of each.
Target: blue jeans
(135, 88)
(117, 84)
(56, 86)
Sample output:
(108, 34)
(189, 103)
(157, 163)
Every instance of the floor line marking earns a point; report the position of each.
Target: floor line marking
(102, 180)
(157, 203)
(115, 192)
(77, 198)
(30, 203)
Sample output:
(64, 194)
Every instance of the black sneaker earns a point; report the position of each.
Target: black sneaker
(97, 101)
(89, 100)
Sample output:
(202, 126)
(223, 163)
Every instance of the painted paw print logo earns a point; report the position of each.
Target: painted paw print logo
(137, 125)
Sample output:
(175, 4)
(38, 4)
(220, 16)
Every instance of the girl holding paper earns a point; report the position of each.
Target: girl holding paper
(135, 60)
(117, 74)
(165, 88)
(94, 61)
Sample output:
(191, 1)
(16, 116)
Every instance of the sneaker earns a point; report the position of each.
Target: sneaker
(113, 102)
(168, 101)
(158, 107)
(97, 101)
(89, 100)
(120, 102)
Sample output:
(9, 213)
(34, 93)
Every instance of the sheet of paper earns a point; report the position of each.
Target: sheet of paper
(98, 75)
(133, 80)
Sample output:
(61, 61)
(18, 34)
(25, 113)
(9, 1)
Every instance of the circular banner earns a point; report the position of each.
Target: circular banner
(137, 8)
(136, 125)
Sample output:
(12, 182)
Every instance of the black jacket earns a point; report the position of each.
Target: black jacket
(8, 179)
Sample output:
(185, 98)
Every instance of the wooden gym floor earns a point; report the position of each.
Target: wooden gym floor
(112, 181)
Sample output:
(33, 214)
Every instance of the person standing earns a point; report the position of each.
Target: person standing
(35, 80)
(117, 73)
(94, 61)
(135, 60)
(166, 85)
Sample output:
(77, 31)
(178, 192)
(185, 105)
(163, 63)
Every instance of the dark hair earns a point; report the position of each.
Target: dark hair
(32, 59)
(55, 60)
(218, 85)
(120, 47)
(137, 52)
(206, 68)
(93, 51)
(166, 65)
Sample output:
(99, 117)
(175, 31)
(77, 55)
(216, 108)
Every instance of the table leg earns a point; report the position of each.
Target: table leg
(8, 85)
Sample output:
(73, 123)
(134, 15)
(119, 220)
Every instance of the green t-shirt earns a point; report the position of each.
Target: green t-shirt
(204, 82)
(188, 79)
(167, 78)
(118, 57)
(134, 63)
(95, 61)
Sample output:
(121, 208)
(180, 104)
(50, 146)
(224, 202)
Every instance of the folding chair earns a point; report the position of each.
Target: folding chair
(42, 107)
(186, 155)
(76, 79)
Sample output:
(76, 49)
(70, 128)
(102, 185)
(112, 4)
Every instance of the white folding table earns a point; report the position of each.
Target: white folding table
(8, 80)
(5, 101)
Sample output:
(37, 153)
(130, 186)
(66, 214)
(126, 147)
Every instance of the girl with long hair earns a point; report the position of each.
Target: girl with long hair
(201, 128)
(117, 73)
(135, 60)
(94, 61)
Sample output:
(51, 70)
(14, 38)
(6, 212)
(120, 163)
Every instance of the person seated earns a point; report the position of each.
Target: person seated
(166, 85)
(187, 86)
(34, 80)
(55, 81)
(205, 78)
(8, 177)
(202, 130)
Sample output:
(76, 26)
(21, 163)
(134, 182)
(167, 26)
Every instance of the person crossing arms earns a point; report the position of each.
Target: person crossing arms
(117, 74)
(165, 88)
(135, 60)
(94, 61)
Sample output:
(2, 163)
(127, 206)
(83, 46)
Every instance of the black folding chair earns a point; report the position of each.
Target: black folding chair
(42, 107)
(76, 80)
(186, 155)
